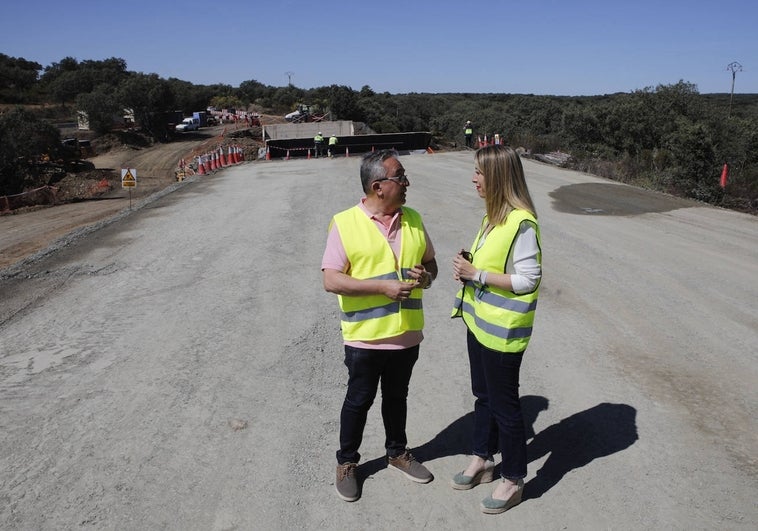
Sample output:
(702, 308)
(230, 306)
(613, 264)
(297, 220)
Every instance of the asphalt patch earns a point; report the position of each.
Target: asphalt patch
(603, 199)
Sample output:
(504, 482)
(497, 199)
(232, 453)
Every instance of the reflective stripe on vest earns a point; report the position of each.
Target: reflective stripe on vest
(373, 317)
(499, 319)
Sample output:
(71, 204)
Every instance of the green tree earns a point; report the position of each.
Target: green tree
(106, 72)
(581, 128)
(285, 99)
(189, 97)
(226, 102)
(696, 172)
(252, 91)
(24, 138)
(53, 70)
(101, 107)
(150, 97)
(67, 79)
(68, 85)
(366, 92)
(379, 112)
(17, 77)
(343, 103)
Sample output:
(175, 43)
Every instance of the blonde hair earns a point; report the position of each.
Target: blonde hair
(504, 182)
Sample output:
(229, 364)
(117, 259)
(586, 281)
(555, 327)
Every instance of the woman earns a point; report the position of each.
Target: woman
(501, 276)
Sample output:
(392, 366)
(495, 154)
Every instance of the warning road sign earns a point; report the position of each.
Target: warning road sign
(128, 178)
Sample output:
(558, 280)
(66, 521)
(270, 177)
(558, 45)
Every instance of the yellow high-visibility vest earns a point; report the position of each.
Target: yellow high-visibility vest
(499, 319)
(372, 317)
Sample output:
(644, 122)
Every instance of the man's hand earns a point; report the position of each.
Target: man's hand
(421, 276)
(398, 290)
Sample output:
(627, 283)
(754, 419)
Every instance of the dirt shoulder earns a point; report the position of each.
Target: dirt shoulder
(92, 196)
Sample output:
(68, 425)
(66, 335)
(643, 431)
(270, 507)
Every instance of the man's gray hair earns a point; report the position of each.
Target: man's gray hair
(372, 167)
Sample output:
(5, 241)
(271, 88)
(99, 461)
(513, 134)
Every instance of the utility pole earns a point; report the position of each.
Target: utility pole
(289, 77)
(734, 67)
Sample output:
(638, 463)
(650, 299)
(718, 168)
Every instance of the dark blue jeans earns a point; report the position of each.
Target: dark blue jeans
(498, 422)
(366, 368)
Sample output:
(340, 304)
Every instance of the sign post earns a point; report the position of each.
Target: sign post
(129, 181)
(181, 174)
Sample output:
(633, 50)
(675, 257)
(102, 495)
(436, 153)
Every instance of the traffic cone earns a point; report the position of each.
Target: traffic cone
(206, 163)
(268, 154)
(222, 157)
(309, 155)
(214, 165)
(200, 169)
(724, 175)
(347, 152)
(288, 155)
(230, 156)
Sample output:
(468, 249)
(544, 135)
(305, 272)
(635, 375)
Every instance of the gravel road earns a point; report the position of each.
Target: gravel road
(181, 367)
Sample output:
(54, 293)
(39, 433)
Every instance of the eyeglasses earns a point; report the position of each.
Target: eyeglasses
(399, 179)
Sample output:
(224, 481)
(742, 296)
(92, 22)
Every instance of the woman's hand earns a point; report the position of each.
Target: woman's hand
(463, 269)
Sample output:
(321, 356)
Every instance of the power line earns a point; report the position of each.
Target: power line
(734, 67)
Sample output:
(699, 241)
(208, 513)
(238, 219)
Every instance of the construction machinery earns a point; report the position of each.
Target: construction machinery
(305, 113)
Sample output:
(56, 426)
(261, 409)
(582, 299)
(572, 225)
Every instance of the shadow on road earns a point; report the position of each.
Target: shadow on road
(572, 443)
(577, 440)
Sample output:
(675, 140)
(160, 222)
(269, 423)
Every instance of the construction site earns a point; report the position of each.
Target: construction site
(230, 137)
(296, 139)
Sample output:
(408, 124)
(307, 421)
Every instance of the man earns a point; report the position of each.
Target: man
(332, 145)
(468, 132)
(378, 258)
(318, 142)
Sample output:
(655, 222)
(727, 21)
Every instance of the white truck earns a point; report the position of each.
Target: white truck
(189, 124)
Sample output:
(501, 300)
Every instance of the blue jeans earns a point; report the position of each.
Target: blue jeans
(498, 422)
(366, 368)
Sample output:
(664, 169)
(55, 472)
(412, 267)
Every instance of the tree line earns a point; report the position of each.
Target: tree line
(669, 138)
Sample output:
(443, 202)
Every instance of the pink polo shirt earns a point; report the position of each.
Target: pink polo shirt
(335, 257)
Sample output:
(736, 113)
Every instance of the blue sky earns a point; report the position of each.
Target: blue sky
(568, 47)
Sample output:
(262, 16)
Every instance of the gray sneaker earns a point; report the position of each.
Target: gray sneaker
(346, 483)
(412, 469)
